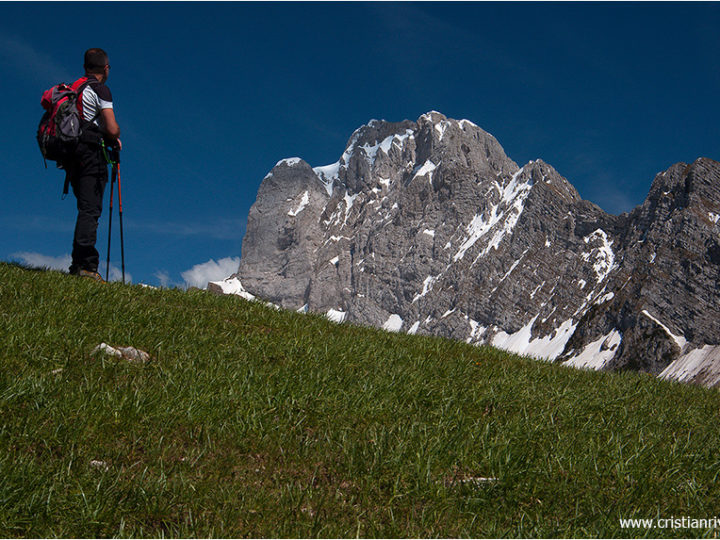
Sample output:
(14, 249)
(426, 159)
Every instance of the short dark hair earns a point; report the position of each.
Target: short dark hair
(95, 60)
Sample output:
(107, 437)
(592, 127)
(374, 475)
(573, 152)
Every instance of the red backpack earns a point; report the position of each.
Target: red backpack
(61, 125)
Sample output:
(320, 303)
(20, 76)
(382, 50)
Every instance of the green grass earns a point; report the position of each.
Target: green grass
(261, 423)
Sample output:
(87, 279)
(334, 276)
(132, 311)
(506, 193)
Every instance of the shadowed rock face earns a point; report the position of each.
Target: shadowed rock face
(428, 227)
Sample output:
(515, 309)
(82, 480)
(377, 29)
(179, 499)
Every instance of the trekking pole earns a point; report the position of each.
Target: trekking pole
(112, 184)
(122, 242)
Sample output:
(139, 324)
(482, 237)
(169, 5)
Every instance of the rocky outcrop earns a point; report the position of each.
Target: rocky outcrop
(665, 287)
(428, 227)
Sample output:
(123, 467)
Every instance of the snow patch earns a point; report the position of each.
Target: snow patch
(597, 354)
(335, 238)
(475, 330)
(427, 287)
(371, 151)
(517, 342)
(393, 324)
(513, 197)
(429, 115)
(532, 294)
(328, 174)
(290, 162)
(477, 228)
(427, 169)
(441, 127)
(303, 203)
(233, 286)
(548, 347)
(414, 328)
(429, 232)
(336, 315)
(698, 361)
(680, 340)
(514, 266)
(349, 201)
(604, 257)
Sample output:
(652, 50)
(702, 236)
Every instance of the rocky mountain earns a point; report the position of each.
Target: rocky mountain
(428, 227)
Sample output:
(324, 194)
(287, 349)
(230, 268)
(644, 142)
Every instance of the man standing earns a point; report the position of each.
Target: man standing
(87, 170)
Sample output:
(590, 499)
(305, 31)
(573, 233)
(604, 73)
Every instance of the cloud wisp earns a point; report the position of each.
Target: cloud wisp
(197, 276)
(33, 63)
(163, 278)
(38, 260)
(62, 264)
(200, 274)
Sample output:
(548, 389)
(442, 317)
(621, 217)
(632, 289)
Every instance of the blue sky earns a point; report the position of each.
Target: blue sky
(210, 96)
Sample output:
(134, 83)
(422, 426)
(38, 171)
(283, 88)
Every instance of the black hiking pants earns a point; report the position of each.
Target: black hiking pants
(88, 175)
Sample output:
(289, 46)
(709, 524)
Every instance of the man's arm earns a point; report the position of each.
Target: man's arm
(112, 129)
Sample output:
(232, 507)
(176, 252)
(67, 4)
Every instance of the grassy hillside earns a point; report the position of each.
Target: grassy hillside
(254, 422)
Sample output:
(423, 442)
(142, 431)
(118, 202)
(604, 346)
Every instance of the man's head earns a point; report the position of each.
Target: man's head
(96, 63)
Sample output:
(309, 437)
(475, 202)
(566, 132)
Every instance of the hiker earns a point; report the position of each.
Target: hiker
(86, 169)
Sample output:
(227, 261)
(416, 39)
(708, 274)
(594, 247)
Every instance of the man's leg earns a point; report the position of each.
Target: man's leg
(88, 185)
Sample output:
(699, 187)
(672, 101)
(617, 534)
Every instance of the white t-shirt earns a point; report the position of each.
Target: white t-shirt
(95, 97)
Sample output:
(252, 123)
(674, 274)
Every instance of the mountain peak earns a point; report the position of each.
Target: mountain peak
(432, 117)
(428, 227)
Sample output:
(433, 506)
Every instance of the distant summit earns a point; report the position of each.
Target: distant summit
(428, 227)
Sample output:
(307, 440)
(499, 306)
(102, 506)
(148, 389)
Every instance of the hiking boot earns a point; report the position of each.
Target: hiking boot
(90, 275)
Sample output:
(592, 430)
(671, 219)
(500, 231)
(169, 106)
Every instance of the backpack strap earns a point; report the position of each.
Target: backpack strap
(80, 82)
(88, 131)
(78, 87)
(66, 185)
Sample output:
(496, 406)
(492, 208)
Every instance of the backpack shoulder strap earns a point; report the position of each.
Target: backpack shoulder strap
(81, 82)
(79, 86)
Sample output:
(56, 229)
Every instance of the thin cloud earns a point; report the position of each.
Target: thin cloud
(200, 274)
(38, 260)
(163, 278)
(31, 62)
(116, 274)
(63, 262)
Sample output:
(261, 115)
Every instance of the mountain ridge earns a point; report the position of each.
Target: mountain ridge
(429, 227)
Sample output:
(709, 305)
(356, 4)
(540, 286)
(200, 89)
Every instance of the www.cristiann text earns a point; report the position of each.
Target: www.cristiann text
(671, 523)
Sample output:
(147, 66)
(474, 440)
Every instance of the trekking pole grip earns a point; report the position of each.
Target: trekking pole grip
(115, 155)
